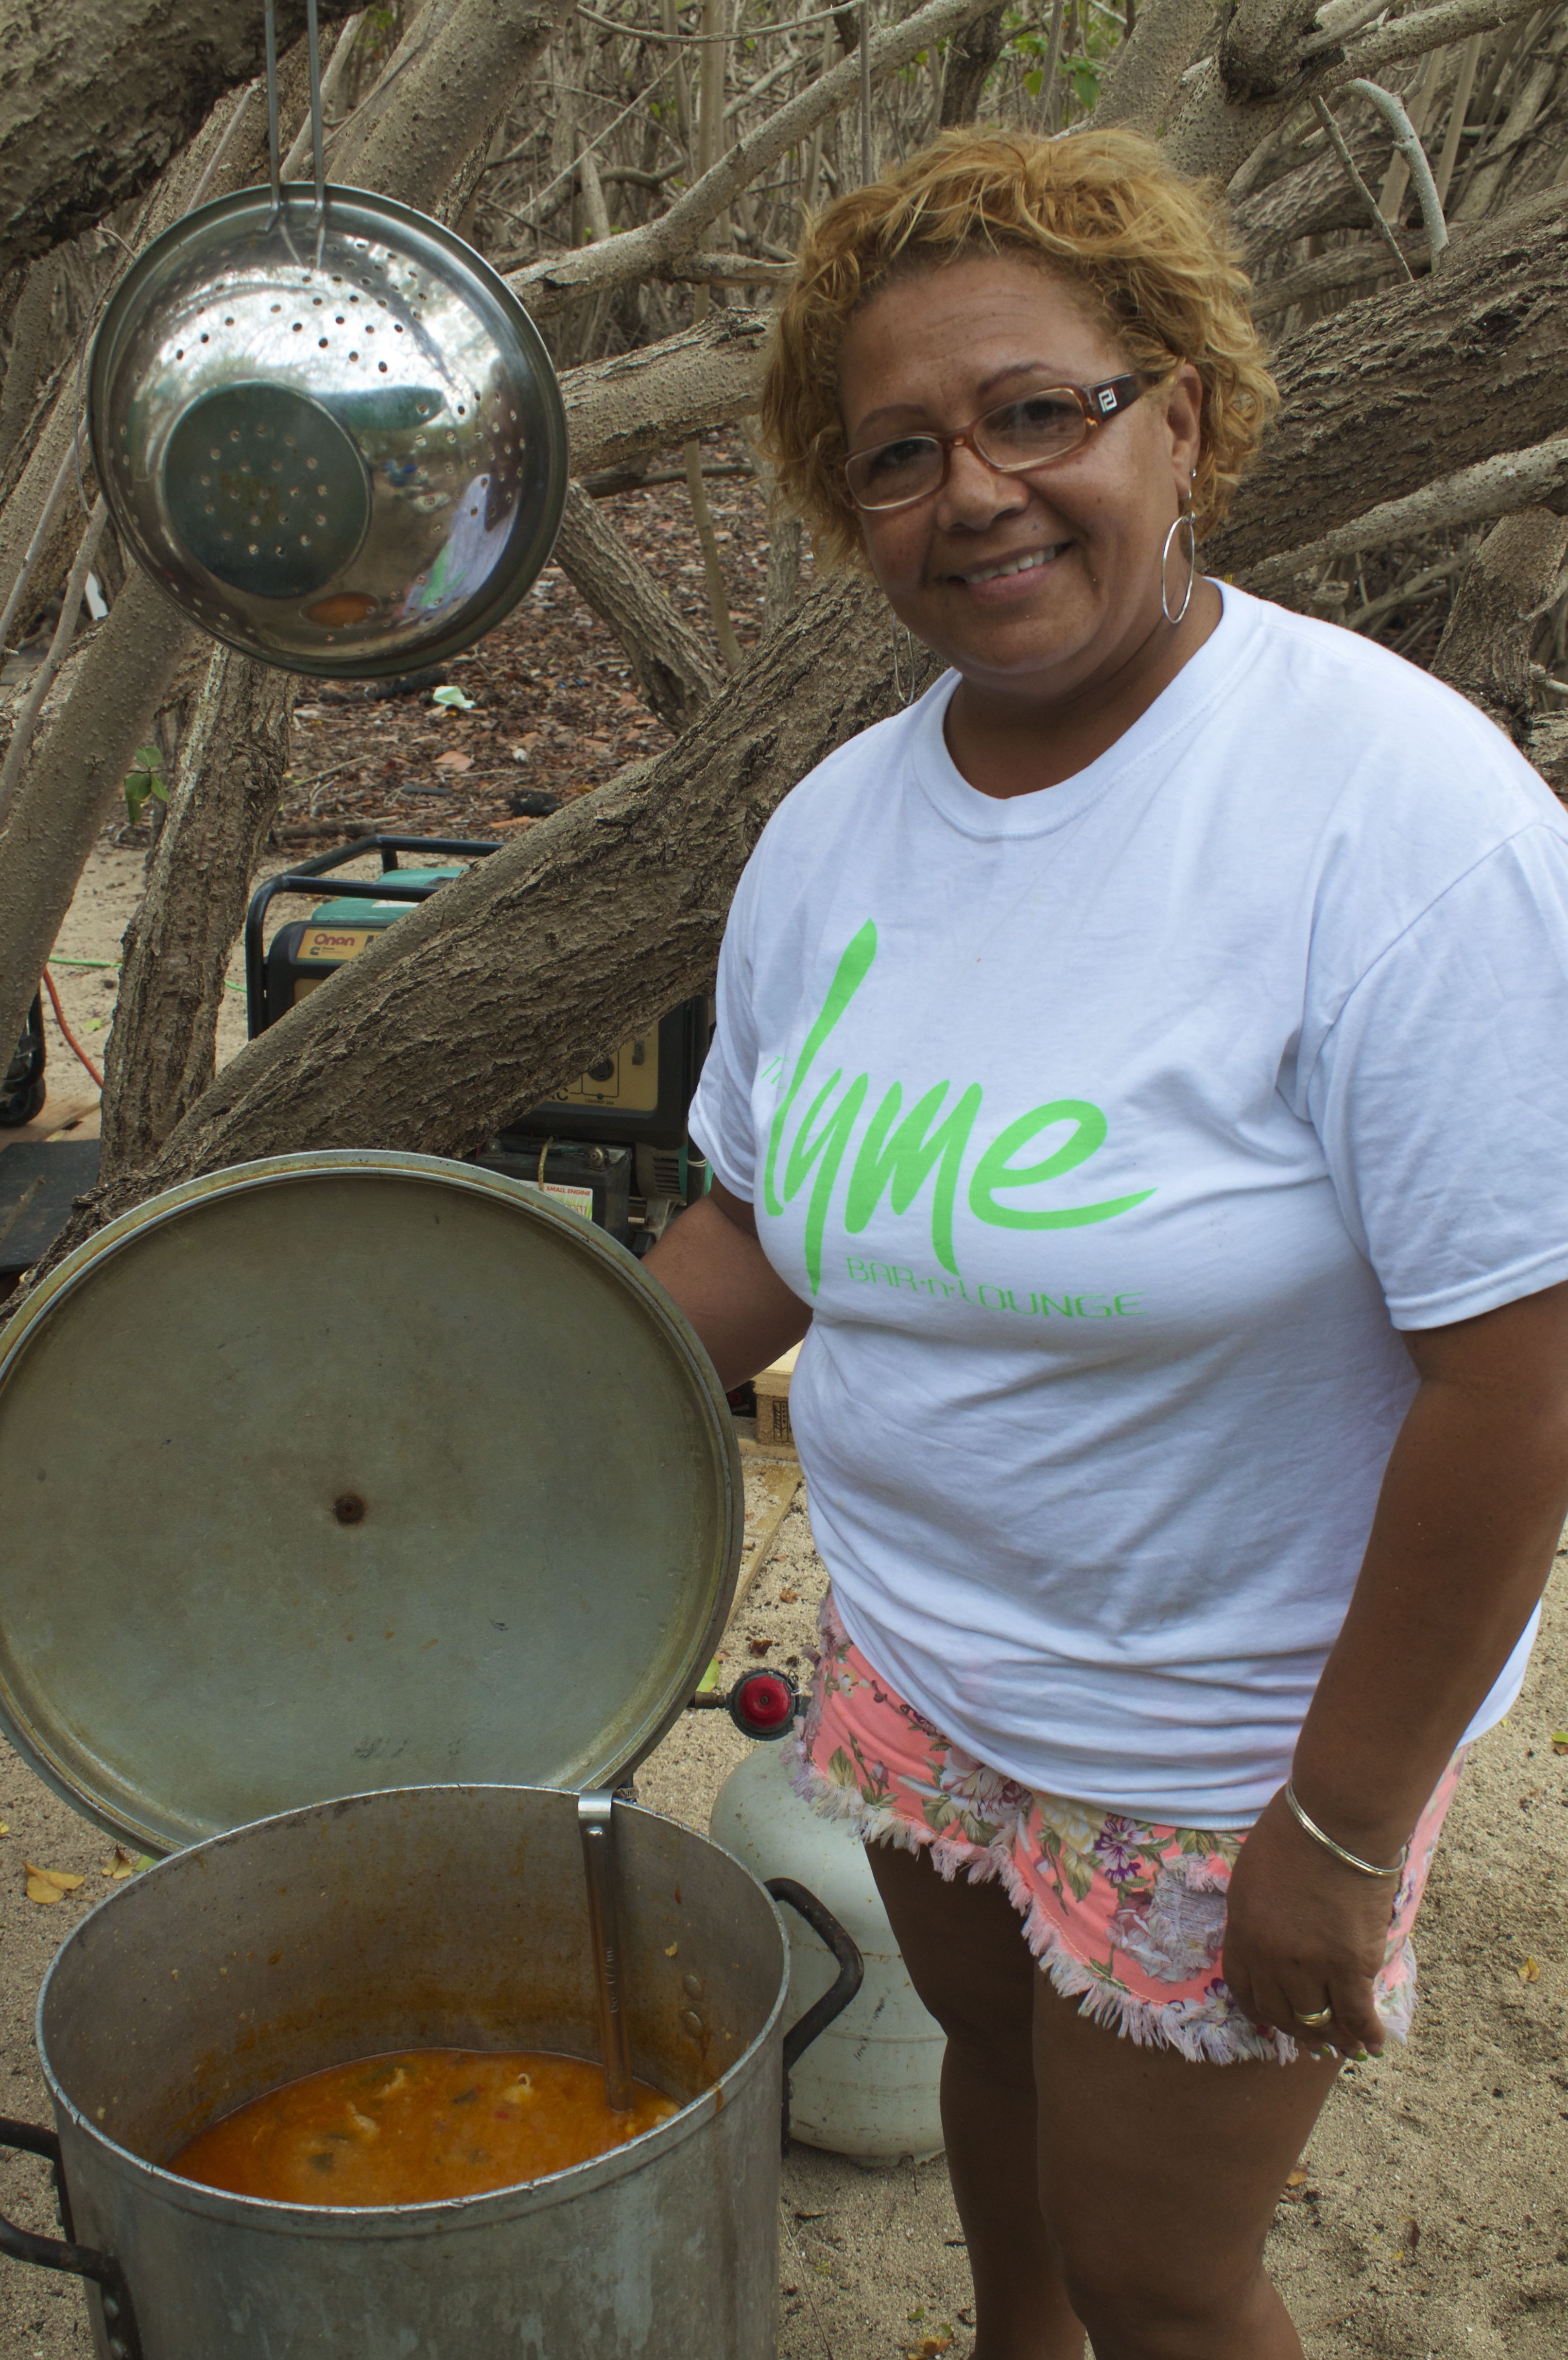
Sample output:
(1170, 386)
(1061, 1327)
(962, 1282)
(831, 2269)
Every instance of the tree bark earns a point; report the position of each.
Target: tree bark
(673, 669)
(1505, 588)
(662, 395)
(457, 89)
(1145, 75)
(1403, 387)
(98, 95)
(502, 987)
(162, 1050)
(73, 779)
(970, 57)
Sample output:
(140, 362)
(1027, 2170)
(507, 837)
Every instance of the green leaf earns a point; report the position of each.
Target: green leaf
(1085, 83)
(454, 696)
(1032, 82)
(147, 758)
(160, 791)
(138, 786)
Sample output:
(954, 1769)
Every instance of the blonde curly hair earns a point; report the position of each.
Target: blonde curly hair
(1147, 250)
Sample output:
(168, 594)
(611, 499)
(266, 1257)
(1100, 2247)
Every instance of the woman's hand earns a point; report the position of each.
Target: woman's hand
(1303, 1933)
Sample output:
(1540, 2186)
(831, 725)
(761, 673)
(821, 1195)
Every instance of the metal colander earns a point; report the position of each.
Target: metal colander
(328, 429)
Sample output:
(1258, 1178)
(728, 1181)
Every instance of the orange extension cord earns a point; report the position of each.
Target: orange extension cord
(70, 1037)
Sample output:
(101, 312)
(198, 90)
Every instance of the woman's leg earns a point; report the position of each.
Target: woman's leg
(965, 1949)
(1095, 2180)
(1158, 2180)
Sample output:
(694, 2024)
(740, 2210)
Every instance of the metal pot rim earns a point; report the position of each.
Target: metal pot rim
(264, 2215)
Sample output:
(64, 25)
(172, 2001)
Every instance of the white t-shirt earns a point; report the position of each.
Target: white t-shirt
(1111, 1132)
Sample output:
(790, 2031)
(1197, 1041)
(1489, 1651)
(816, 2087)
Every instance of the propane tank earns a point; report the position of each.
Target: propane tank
(867, 2087)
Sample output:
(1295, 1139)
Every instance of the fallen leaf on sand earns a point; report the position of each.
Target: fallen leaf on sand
(1297, 2179)
(929, 2347)
(1529, 1972)
(4, 1828)
(455, 761)
(787, 1597)
(48, 1885)
(1560, 1741)
(122, 1863)
(759, 1646)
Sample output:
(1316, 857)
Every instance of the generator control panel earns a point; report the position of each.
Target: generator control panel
(613, 1145)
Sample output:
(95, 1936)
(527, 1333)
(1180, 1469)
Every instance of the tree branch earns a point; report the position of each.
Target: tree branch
(662, 394)
(1513, 479)
(550, 286)
(96, 101)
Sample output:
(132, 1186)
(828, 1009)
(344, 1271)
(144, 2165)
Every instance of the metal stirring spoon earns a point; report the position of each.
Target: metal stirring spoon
(595, 1824)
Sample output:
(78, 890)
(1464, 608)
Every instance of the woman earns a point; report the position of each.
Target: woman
(1139, 1063)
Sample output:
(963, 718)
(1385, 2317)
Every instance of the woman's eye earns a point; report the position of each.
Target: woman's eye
(1040, 409)
(895, 455)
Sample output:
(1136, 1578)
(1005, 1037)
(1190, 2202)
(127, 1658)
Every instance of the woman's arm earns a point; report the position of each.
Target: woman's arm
(710, 1261)
(1470, 1512)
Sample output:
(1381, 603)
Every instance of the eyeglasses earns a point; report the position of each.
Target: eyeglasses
(1032, 430)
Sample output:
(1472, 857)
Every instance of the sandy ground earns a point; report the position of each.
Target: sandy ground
(1434, 2218)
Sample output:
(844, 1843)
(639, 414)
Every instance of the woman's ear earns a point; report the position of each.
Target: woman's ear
(1184, 423)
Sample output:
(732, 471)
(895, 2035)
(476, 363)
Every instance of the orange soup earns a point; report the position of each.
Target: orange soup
(415, 2127)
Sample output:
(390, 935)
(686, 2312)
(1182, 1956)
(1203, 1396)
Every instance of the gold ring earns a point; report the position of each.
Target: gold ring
(1316, 2016)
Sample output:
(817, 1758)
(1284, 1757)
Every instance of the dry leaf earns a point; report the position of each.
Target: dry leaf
(455, 761)
(1560, 1741)
(4, 1828)
(759, 1646)
(929, 2347)
(1530, 1972)
(122, 1863)
(787, 1597)
(1297, 2179)
(48, 1885)
(670, 1949)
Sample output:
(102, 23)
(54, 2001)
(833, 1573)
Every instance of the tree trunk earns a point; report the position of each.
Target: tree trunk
(971, 55)
(673, 669)
(98, 95)
(73, 779)
(507, 983)
(162, 1050)
(664, 394)
(1145, 74)
(1403, 387)
(1507, 586)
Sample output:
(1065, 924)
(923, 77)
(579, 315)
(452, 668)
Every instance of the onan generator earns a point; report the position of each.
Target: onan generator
(613, 1146)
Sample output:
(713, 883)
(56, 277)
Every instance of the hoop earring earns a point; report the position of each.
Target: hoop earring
(1183, 523)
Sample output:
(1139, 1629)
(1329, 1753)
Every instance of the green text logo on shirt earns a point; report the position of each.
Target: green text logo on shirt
(898, 1157)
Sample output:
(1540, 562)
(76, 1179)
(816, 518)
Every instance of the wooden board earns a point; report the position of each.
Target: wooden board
(770, 1488)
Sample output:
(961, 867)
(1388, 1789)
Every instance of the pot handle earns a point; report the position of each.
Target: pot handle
(836, 1998)
(56, 2254)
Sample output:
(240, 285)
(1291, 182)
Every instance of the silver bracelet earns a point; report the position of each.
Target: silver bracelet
(1361, 1867)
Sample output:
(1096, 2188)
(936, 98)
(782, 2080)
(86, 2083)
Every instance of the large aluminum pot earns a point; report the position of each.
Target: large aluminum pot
(419, 1917)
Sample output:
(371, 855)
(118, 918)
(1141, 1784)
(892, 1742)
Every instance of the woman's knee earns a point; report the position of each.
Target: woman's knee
(1135, 2308)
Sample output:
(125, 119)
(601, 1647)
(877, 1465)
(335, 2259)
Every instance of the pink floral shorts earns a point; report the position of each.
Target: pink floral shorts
(1125, 1916)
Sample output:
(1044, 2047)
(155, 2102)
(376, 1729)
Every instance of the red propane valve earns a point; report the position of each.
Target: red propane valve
(762, 1704)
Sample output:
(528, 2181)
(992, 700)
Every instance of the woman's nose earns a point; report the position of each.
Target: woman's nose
(975, 495)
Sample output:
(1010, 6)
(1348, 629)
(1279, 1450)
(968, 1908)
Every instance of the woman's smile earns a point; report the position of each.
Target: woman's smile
(1009, 569)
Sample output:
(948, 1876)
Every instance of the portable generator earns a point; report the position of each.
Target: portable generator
(613, 1146)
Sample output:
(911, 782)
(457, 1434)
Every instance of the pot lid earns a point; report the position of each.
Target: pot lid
(348, 1471)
